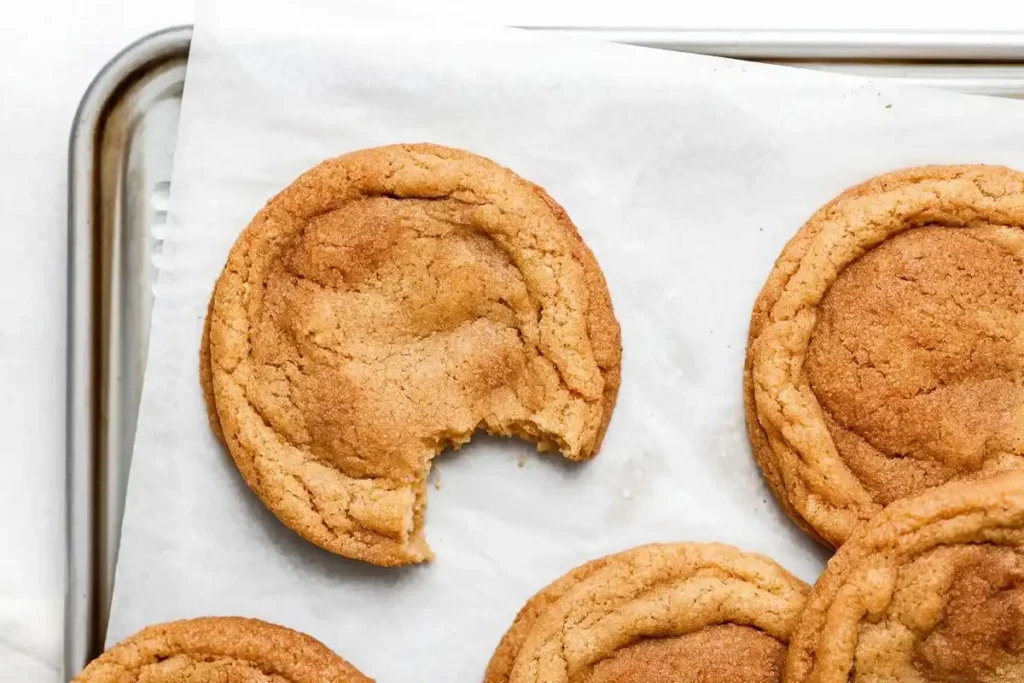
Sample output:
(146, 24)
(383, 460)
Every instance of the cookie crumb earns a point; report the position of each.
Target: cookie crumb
(521, 462)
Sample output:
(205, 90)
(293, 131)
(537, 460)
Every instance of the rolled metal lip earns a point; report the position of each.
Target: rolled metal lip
(81, 640)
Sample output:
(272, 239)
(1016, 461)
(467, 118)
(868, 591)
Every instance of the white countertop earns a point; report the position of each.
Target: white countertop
(50, 51)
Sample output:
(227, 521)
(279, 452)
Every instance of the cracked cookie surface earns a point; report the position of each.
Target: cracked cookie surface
(219, 650)
(662, 613)
(931, 590)
(385, 306)
(886, 350)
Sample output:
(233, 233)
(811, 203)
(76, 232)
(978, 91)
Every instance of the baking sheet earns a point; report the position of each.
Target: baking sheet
(685, 175)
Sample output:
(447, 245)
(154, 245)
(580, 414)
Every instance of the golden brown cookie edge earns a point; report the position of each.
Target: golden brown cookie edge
(603, 328)
(206, 375)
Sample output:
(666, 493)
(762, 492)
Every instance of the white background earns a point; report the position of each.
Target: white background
(49, 51)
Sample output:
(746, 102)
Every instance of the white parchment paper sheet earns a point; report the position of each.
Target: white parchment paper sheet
(686, 175)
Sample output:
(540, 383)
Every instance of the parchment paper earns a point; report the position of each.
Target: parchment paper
(686, 175)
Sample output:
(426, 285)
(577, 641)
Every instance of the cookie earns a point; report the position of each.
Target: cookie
(886, 351)
(663, 613)
(932, 589)
(382, 308)
(219, 650)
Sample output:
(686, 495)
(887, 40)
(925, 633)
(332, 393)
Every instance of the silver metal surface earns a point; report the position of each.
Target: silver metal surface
(857, 46)
(122, 144)
(122, 141)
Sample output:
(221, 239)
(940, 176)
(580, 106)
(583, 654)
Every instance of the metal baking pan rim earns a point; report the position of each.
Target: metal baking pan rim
(821, 45)
(779, 44)
(81, 444)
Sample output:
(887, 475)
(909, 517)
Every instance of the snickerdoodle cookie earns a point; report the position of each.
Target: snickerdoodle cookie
(385, 306)
(663, 613)
(886, 351)
(219, 650)
(932, 589)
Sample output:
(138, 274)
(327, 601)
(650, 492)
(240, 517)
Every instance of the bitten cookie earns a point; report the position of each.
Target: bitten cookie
(886, 350)
(932, 589)
(385, 306)
(219, 650)
(664, 613)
